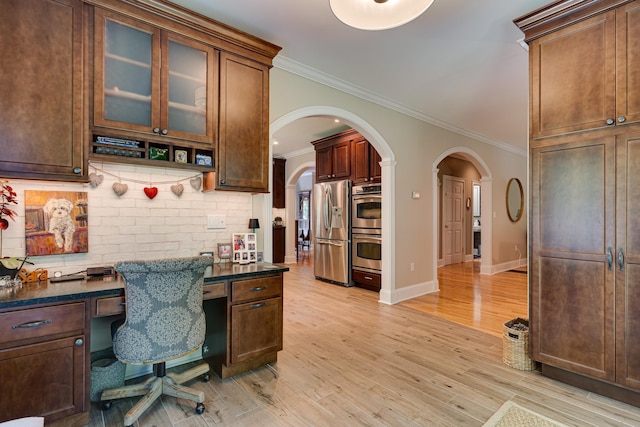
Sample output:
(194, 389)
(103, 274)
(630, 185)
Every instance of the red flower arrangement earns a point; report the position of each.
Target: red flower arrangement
(7, 197)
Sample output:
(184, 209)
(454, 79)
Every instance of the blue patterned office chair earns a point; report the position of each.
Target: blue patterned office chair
(164, 321)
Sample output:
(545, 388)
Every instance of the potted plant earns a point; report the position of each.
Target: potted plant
(7, 198)
(9, 266)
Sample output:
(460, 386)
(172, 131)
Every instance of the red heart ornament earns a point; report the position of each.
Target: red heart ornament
(151, 192)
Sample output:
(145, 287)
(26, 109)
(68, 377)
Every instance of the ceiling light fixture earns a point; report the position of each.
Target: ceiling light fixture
(378, 14)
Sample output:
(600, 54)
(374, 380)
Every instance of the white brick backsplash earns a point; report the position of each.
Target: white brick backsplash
(133, 226)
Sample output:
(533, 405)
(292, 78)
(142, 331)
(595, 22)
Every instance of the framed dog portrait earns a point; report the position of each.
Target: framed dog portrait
(56, 222)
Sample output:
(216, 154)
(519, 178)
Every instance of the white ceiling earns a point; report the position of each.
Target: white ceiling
(458, 65)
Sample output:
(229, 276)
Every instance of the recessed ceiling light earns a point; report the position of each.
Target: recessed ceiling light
(378, 14)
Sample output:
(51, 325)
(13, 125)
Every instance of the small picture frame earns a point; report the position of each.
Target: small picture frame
(225, 250)
(244, 247)
(180, 156)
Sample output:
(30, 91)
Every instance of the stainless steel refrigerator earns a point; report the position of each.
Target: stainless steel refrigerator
(332, 251)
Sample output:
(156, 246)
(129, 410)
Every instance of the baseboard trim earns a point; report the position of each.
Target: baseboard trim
(398, 295)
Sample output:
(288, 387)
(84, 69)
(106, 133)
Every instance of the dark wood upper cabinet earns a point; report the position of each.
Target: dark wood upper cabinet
(169, 80)
(585, 75)
(366, 163)
(333, 156)
(243, 146)
(42, 104)
(347, 155)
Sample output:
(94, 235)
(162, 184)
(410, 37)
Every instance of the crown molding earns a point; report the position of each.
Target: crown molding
(302, 70)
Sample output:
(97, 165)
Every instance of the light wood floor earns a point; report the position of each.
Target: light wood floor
(480, 301)
(349, 360)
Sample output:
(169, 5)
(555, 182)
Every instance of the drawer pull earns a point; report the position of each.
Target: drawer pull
(259, 288)
(258, 305)
(31, 324)
(206, 292)
(368, 277)
(122, 304)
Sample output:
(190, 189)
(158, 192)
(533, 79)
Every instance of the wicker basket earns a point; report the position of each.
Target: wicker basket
(515, 347)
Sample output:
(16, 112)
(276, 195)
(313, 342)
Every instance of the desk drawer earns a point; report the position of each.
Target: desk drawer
(255, 289)
(109, 306)
(214, 290)
(43, 321)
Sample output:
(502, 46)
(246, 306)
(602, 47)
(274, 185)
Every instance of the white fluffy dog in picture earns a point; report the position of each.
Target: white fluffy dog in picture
(60, 222)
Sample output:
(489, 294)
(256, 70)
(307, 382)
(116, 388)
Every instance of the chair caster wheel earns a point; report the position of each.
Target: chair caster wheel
(206, 378)
(106, 405)
(199, 408)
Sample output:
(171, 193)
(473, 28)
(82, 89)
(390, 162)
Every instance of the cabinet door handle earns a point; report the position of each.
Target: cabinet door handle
(164, 131)
(156, 130)
(609, 258)
(610, 121)
(258, 288)
(31, 324)
(258, 305)
(622, 119)
(77, 171)
(621, 259)
(79, 342)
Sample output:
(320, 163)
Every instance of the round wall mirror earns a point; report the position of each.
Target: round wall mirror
(515, 199)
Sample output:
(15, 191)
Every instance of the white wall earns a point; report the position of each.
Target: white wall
(134, 226)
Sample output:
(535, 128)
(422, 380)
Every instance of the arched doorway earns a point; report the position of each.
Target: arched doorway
(388, 183)
(290, 196)
(486, 180)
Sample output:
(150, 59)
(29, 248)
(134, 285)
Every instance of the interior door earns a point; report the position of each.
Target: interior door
(452, 220)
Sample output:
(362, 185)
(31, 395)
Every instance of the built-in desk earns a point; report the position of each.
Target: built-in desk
(45, 330)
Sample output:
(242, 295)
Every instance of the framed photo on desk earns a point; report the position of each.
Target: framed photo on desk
(244, 247)
(225, 251)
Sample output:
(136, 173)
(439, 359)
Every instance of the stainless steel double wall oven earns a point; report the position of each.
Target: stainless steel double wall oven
(366, 228)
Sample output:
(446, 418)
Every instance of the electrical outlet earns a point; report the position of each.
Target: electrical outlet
(411, 267)
(516, 249)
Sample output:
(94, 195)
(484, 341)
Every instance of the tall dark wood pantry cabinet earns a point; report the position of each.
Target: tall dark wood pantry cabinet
(585, 193)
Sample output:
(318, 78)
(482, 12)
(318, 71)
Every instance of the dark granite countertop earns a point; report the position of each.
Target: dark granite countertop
(47, 292)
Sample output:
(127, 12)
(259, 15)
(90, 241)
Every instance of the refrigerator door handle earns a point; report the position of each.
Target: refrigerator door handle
(327, 208)
(324, 242)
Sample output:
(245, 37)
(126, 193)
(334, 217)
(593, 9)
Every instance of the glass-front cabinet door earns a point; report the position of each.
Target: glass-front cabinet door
(187, 96)
(152, 81)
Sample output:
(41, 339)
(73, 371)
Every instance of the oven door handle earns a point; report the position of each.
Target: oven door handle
(366, 196)
(379, 239)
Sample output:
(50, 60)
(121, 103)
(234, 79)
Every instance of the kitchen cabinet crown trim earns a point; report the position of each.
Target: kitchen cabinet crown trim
(232, 39)
(562, 14)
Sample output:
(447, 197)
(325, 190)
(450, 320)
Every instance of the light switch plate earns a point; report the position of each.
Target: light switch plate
(216, 222)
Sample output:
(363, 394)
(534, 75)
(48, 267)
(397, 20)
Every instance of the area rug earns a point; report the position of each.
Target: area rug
(513, 415)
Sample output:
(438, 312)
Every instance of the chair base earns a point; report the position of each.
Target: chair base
(154, 387)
